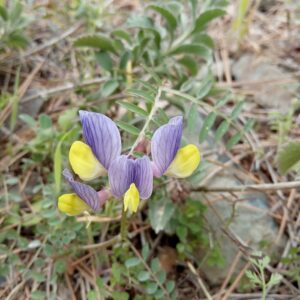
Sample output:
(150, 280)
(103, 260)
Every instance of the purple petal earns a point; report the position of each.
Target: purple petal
(143, 177)
(165, 144)
(83, 191)
(102, 135)
(121, 175)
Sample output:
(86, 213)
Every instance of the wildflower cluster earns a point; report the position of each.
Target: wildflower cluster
(129, 178)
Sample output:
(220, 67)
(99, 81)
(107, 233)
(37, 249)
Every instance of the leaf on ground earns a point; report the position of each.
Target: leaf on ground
(288, 156)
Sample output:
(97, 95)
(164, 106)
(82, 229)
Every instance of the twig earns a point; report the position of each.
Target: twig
(97, 219)
(199, 280)
(21, 90)
(113, 240)
(69, 285)
(258, 296)
(250, 187)
(230, 272)
(102, 245)
(277, 80)
(236, 281)
(285, 217)
(64, 88)
(53, 41)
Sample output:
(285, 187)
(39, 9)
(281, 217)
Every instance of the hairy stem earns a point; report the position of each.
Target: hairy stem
(152, 112)
(264, 286)
(123, 225)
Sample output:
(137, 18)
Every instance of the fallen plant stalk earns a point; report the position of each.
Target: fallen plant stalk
(250, 187)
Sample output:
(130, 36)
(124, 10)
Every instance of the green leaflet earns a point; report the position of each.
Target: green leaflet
(128, 128)
(95, 41)
(206, 17)
(288, 156)
(134, 108)
(167, 14)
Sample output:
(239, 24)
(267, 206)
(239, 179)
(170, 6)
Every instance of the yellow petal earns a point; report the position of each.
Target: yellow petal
(185, 162)
(132, 199)
(71, 204)
(84, 163)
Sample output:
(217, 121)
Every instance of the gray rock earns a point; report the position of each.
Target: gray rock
(2, 281)
(31, 107)
(265, 5)
(245, 216)
(276, 95)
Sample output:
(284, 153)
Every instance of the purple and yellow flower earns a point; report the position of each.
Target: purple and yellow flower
(131, 178)
(101, 155)
(167, 156)
(84, 198)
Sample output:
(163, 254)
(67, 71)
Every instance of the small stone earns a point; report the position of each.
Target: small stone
(256, 71)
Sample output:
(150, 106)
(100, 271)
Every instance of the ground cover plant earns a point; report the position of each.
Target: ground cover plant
(149, 150)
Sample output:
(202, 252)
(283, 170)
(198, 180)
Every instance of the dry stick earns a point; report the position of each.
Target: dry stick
(250, 187)
(48, 282)
(5, 164)
(236, 281)
(50, 43)
(282, 79)
(97, 219)
(220, 167)
(63, 88)
(225, 60)
(230, 272)
(285, 216)
(199, 280)
(22, 90)
(258, 296)
(113, 240)
(102, 245)
(70, 287)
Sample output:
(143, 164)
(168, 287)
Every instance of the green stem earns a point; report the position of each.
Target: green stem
(150, 117)
(90, 234)
(123, 225)
(264, 286)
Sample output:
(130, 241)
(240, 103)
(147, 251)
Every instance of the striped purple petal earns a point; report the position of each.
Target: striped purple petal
(121, 175)
(165, 144)
(102, 135)
(143, 177)
(84, 192)
(124, 171)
